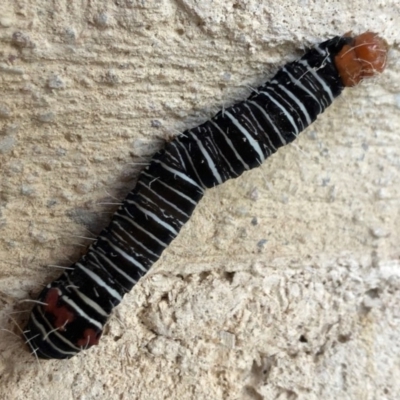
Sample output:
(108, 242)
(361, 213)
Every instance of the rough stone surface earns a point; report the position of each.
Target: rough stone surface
(285, 284)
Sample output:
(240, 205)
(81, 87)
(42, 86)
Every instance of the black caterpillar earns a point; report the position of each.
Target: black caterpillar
(72, 311)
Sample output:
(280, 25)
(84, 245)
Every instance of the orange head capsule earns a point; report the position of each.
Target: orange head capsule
(364, 56)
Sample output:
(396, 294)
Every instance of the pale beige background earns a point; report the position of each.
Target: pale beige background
(286, 282)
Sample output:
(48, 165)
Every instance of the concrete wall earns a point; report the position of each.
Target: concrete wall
(285, 283)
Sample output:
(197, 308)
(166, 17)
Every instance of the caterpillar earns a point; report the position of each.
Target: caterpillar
(71, 311)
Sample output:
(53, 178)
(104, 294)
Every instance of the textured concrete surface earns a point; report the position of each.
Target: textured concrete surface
(286, 282)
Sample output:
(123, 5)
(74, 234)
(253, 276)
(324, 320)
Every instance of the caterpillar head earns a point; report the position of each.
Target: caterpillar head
(363, 57)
